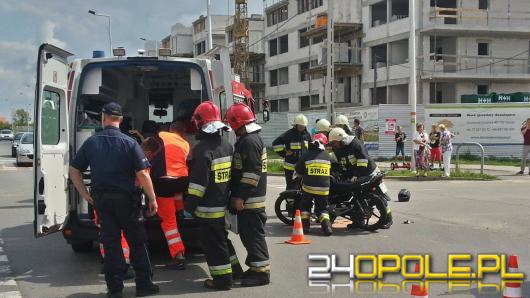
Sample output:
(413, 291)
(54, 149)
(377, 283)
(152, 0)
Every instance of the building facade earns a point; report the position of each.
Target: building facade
(200, 33)
(464, 47)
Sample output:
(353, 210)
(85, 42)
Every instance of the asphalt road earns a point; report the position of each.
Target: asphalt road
(447, 217)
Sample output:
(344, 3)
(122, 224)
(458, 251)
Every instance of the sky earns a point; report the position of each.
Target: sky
(25, 24)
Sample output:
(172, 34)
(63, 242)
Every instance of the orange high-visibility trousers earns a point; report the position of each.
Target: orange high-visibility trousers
(167, 210)
(124, 244)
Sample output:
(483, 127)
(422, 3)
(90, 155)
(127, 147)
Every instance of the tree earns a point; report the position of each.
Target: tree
(21, 117)
(5, 125)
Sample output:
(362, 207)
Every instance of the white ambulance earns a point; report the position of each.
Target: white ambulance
(153, 91)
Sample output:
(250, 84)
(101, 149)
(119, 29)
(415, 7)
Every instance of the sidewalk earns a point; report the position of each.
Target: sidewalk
(488, 169)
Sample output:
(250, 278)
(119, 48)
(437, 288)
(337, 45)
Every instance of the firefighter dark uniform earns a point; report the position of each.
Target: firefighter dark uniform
(249, 182)
(314, 167)
(114, 159)
(208, 195)
(296, 142)
(355, 159)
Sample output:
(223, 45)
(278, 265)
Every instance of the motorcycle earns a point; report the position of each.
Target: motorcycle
(363, 202)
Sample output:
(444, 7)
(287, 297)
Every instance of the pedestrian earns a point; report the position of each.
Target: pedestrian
(291, 145)
(314, 167)
(208, 195)
(421, 150)
(248, 192)
(358, 130)
(436, 151)
(314, 129)
(525, 130)
(169, 173)
(400, 137)
(343, 122)
(447, 149)
(115, 160)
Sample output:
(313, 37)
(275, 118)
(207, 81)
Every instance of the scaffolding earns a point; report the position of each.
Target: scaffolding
(241, 38)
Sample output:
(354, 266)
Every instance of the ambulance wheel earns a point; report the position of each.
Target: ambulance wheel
(82, 246)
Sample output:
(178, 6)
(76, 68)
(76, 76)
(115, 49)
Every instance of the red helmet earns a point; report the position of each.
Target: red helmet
(321, 138)
(206, 112)
(238, 115)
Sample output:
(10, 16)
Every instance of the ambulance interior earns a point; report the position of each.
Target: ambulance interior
(152, 95)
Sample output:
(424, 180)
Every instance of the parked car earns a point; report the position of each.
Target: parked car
(6, 134)
(25, 150)
(15, 142)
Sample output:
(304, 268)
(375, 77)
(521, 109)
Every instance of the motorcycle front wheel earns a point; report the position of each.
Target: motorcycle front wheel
(373, 214)
(285, 207)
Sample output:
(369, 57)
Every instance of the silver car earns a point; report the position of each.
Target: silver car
(6, 134)
(14, 144)
(25, 150)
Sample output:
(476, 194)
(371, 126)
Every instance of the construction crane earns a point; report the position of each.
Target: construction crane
(241, 44)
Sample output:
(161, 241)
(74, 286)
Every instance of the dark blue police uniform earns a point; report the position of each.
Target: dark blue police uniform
(114, 159)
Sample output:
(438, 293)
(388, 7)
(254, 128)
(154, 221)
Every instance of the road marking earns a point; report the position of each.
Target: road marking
(8, 285)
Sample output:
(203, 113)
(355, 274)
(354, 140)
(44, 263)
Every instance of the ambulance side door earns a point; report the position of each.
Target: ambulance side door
(51, 158)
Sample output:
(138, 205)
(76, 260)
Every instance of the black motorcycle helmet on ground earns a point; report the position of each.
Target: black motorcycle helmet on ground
(404, 195)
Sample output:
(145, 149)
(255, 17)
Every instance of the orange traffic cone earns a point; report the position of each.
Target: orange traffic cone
(512, 289)
(419, 291)
(297, 237)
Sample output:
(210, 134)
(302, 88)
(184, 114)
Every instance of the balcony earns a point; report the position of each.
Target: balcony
(477, 22)
(319, 28)
(476, 67)
(347, 61)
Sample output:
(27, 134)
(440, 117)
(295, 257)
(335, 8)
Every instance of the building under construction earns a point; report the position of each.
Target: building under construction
(464, 47)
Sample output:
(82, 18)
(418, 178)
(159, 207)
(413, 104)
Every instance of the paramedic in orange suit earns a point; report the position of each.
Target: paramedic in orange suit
(169, 173)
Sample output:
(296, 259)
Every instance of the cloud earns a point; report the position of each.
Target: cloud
(47, 34)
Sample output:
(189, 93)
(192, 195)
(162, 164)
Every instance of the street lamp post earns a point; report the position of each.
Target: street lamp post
(413, 93)
(109, 27)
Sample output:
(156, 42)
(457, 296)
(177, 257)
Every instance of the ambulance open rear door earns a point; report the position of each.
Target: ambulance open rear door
(51, 154)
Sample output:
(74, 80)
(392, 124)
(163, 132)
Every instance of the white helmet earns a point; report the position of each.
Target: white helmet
(323, 125)
(342, 120)
(300, 119)
(337, 134)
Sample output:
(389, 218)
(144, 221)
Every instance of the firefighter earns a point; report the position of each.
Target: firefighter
(291, 145)
(208, 192)
(314, 167)
(248, 191)
(169, 173)
(343, 122)
(354, 158)
(322, 126)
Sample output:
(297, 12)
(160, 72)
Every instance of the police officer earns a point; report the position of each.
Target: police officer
(354, 158)
(314, 168)
(208, 190)
(249, 189)
(291, 145)
(115, 160)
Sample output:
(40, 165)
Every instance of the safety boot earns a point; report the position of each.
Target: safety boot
(326, 227)
(256, 279)
(306, 225)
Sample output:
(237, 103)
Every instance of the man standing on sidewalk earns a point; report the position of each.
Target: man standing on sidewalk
(525, 130)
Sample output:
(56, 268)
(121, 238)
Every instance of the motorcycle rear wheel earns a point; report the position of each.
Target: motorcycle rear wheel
(374, 215)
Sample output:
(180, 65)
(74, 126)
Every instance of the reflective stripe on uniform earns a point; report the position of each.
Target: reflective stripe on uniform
(256, 200)
(306, 144)
(250, 178)
(288, 166)
(234, 260)
(305, 215)
(220, 270)
(254, 205)
(362, 163)
(196, 190)
(323, 216)
(259, 264)
(295, 146)
(221, 163)
(278, 148)
(174, 241)
(321, 191)
(171, 232)
(352, 159)
(210, 212)
(317, 161)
